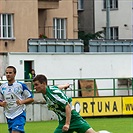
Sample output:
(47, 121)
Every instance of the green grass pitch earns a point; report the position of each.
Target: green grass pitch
(114, 125)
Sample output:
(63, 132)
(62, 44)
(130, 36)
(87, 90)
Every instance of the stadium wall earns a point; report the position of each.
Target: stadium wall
(87, 107)
(76, 65)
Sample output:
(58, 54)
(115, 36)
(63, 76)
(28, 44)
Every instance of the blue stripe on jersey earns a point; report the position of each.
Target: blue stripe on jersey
(24, 87)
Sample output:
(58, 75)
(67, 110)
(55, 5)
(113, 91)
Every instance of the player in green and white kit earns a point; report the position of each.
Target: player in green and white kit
(69, 120)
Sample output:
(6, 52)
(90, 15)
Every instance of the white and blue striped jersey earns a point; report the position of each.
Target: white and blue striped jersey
(10, 94)
(56, 101)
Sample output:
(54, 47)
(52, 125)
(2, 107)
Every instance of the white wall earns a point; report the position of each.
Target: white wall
(86, 65)
(3, 63)
(72, 66)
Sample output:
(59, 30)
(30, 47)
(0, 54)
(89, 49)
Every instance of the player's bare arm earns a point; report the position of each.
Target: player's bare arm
(26, 101)
(64, 86)
(3, 103)
(68, 118)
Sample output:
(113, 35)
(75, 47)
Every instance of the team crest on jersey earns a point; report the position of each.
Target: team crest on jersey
(16, 90)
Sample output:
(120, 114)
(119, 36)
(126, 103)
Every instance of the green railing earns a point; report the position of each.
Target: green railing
(98, 86)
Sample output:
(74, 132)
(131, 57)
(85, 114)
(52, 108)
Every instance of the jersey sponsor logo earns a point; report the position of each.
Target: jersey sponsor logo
(17, 90)
(53, 107)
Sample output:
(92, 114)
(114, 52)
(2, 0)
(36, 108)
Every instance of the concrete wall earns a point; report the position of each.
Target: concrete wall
(77, 65)
(86, 17)
(35, 112)
(3, 63)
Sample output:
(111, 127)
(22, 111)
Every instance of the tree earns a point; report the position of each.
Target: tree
(86, 37)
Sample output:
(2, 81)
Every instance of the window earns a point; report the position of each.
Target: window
(114, 34)
(80, 5)
(59, 30)
(6, 26)
(113, 4)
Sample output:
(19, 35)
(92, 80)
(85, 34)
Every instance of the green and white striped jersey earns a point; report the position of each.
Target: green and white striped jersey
(56, 101)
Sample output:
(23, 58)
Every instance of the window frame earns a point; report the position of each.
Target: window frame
(80, 5)
(113, 4)
(6, 26)
(114, 32)
(59, 28)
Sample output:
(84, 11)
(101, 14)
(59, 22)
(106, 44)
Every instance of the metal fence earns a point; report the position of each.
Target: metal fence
(90, 87)
(110, 46)
(55, 45)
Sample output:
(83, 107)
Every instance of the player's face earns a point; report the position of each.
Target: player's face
(10, 75)
(39, 87)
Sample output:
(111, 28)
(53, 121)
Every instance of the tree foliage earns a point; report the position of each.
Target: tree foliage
(86, 37)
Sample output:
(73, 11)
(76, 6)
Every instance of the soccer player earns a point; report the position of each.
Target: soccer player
(13, 97)
(69, 120)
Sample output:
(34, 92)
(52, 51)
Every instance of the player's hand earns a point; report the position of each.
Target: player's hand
(19, 102)
(3, 104)
(65, 128)
(66, 86)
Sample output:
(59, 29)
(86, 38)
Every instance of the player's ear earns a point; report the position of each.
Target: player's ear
(44, 83)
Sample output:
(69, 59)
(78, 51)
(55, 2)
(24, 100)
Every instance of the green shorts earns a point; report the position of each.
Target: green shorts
(77, 124)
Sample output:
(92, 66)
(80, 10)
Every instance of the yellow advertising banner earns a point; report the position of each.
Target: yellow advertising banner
(107, 106)
(83, 106)
(99, 106)
(128, 105)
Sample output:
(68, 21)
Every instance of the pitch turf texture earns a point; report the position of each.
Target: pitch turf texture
(114, 125)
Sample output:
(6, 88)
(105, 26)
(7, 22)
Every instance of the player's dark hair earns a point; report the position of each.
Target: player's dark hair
(14, 69)
(41, 78)
(32, 70)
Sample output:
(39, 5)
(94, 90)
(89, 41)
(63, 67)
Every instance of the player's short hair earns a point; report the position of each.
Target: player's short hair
(41, 78)
(14, 69)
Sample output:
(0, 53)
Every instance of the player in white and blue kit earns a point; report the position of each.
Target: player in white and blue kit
(13, 97)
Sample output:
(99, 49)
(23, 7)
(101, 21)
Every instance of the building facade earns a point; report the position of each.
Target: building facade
(21, 20)
(119, 18)
(94, 17)
(86, 16)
